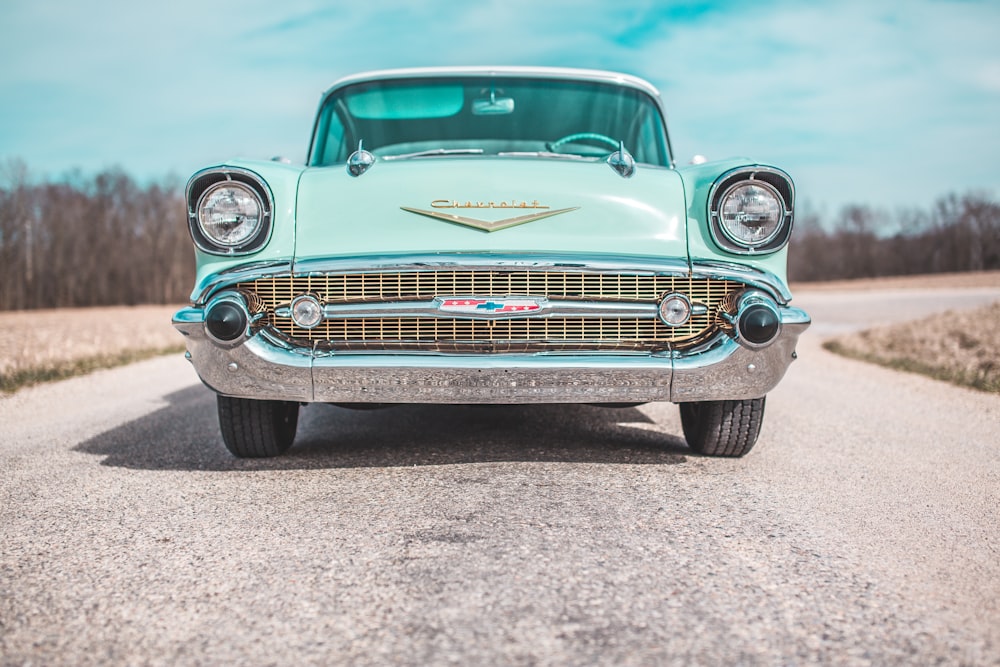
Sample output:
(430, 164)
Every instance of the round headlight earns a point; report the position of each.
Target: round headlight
(230, 213)
(751, 213)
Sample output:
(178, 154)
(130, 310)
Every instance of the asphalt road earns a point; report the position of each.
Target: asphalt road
(864, 528)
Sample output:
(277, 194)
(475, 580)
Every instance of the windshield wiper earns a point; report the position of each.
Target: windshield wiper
(565, 156)
(435, 152)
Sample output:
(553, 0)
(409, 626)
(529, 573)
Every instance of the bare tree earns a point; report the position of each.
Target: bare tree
(958, 233)
(91, 241)
(106, 239)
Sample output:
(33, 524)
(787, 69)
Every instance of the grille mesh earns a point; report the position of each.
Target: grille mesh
(492, 335)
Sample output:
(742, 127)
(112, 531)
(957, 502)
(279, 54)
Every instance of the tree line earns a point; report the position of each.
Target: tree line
(957, 234)
(107, 240)
(91, 241)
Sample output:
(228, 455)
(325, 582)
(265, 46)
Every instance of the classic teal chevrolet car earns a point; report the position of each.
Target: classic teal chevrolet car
(490, 235)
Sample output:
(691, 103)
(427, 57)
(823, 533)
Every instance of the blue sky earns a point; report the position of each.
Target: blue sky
(885, 103)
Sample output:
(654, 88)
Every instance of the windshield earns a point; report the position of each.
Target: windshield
(480, 115)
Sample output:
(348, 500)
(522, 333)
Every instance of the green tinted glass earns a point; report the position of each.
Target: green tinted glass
(405, 102)
(492, 116)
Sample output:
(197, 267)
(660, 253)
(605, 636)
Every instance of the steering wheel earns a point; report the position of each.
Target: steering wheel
(594, 136)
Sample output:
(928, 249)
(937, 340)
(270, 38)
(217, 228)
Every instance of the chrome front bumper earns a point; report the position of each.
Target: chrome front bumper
(261, 368)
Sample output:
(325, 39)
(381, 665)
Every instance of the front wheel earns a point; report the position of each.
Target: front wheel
(257, 429)
(722, 428)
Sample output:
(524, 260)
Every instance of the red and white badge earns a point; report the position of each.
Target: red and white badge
(491, 306)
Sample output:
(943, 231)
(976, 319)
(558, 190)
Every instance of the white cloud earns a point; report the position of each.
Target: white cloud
(861, 101)
(987, 75)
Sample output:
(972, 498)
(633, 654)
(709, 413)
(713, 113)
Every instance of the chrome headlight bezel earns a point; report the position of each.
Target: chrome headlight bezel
(772, 183)
(210, 182)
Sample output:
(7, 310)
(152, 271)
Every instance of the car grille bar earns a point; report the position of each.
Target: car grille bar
(614, 311)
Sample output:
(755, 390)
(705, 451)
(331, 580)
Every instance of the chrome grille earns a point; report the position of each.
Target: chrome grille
(415, 285)
(451, 333)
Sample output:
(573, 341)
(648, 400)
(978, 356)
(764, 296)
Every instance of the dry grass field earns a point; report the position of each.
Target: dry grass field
(42, 345)
(962, 347)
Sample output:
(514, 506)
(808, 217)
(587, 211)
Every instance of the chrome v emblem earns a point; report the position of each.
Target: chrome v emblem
(487, 225)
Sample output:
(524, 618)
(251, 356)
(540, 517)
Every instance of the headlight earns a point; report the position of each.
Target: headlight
(751, 213)
(230, 214)
(229, 211)
(750, 210)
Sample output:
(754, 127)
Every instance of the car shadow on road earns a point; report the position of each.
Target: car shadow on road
(184, 435)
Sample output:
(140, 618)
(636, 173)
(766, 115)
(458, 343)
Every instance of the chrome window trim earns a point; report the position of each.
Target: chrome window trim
(564, 73)
(558, 73)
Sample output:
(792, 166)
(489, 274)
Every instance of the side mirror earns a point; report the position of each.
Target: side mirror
(360, 161)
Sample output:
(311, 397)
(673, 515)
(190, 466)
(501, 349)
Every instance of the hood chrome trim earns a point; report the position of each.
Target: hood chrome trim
(487, 225)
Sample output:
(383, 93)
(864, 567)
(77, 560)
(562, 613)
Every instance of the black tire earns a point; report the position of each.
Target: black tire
(722, 428)
(257, 429)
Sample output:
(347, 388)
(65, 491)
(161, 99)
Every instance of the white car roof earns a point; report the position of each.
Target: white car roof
(567, 73)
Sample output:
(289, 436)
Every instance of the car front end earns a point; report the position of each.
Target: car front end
(489, 236)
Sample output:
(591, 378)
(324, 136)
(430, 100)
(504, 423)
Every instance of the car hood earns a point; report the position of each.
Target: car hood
(435, 205)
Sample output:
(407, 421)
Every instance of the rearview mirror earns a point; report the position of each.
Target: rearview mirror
(493, 105)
